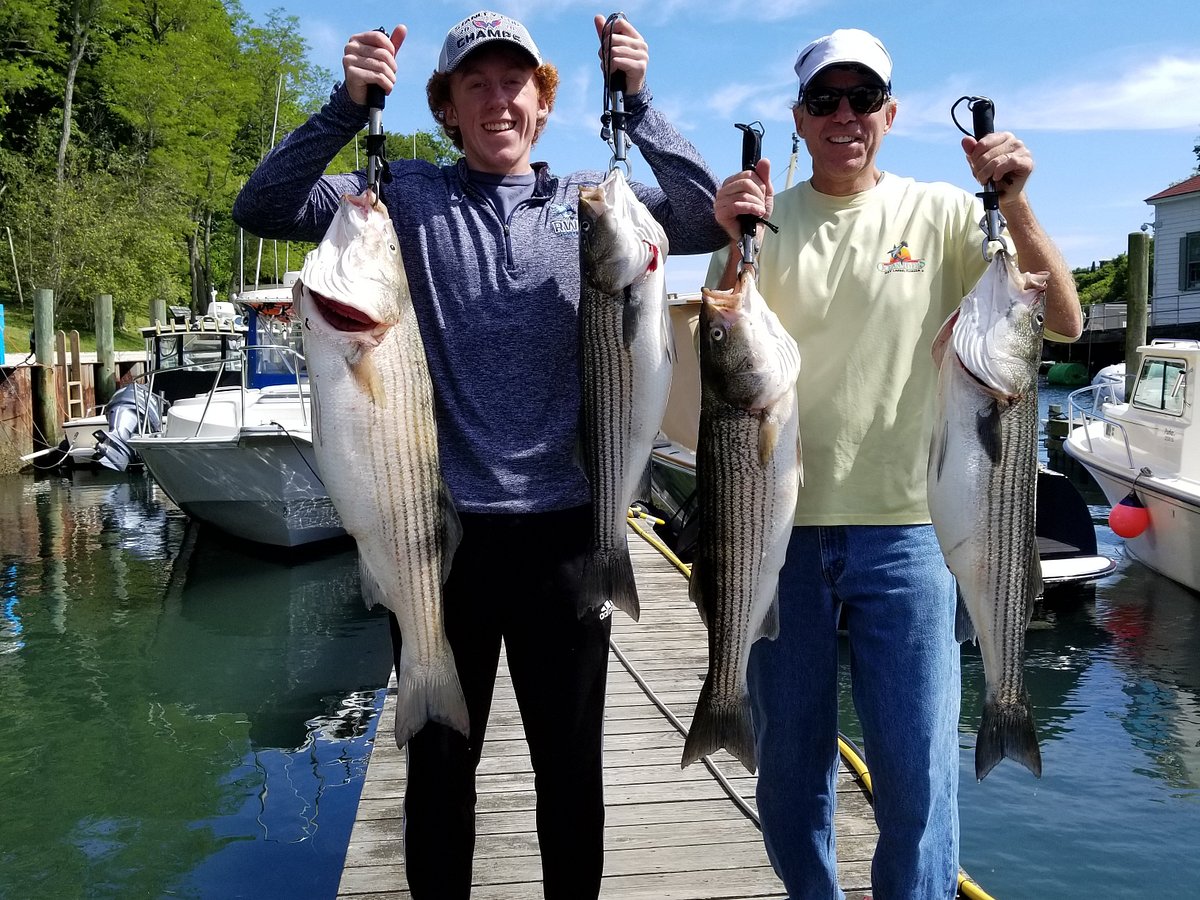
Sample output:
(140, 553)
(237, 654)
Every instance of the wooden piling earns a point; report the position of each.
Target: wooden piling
(158, 311)
(1137, 304)
(106, 372)
(47, 431)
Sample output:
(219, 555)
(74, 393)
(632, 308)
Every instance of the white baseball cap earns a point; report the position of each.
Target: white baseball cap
(845, 47)
(476, 30)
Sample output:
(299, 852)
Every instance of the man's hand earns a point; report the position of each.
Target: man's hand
(369, 60)
(630, 53)
(748, 193)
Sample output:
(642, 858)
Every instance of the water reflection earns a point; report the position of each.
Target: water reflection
(1154, 624)
(180, 715)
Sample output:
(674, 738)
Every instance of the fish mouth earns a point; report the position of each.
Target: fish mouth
(343, 317)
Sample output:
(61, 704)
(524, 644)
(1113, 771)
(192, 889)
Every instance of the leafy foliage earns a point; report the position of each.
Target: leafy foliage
(127, 128)
(1107, 281)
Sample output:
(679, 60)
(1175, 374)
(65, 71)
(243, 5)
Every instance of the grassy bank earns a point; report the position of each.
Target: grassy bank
(18, 323)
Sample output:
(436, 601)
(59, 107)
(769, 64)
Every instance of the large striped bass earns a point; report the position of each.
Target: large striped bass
(982, 490)
(376, 444)
(625, 361)
(748, 472)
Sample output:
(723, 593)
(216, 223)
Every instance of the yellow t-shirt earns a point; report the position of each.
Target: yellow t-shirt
(863, 283)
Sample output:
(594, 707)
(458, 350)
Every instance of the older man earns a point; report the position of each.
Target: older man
(863, 271)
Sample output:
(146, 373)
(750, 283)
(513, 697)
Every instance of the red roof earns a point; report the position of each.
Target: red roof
(1188, 186)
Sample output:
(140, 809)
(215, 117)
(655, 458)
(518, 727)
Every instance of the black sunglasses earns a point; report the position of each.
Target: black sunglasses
(864, 99)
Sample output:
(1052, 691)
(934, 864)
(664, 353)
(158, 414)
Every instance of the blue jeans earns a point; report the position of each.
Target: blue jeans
(899, 602)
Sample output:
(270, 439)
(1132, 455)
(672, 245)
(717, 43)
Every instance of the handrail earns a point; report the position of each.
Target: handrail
(220, 366)
(1087, 416)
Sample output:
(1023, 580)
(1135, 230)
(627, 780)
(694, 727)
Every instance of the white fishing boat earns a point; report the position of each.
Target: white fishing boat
(1066, 535)
(174, 354)
(1149, 447)
(240, 456)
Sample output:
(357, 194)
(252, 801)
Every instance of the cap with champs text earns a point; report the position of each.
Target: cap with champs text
(845, 47)
(481, 28)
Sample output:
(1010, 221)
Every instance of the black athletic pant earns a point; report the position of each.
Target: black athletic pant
(516, 577)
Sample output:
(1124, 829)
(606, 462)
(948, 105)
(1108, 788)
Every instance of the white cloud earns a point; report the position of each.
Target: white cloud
(1156, 95)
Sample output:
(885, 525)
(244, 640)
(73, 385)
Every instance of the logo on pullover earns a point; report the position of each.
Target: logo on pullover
(900, 259)
(564, 219)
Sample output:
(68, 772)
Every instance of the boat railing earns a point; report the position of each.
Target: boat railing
(293, 359)
(1081, 416)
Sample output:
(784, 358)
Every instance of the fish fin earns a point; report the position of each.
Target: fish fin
(769, 628)
(372, 591)
(1036, 584)
(452, 530)
(941, 446)
(631, 313)
(987, 428)
(642, 490)
(608, 575)
(768, 437)
(942, 339)
(799, 460)
(964, 627)
(696, 594)
(314, 407)
(431, 693)
(1007, 731)
(714, 727)
(669, 333)
(366, 375)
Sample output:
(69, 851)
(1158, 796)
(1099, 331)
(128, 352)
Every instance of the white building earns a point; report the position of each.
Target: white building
(1175, 294)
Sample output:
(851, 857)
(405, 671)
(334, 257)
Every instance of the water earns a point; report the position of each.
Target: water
(180, 717)
(1115, 683)
(1114, 677)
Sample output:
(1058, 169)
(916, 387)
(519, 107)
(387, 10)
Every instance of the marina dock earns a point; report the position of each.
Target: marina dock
(668, 832)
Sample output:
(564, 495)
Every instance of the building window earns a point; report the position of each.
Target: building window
(1189, 262)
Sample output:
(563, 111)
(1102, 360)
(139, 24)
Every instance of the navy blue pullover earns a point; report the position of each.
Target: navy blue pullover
(497, 302)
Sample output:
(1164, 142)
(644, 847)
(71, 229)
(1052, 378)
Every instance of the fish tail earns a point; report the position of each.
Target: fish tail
(713, 727)
(608, 575)
(429, 693)
(1007, 730)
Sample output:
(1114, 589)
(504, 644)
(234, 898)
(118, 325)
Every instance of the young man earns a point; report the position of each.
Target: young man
(862, 541)
(491, 248)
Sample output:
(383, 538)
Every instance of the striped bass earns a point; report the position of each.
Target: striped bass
(626, 354)
(748, 473)
(375, 439)
(982, 490)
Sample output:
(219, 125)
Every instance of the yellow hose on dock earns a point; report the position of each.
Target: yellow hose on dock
(967, 886)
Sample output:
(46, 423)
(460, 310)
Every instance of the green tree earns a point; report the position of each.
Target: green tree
(176, 86)
(29, 53)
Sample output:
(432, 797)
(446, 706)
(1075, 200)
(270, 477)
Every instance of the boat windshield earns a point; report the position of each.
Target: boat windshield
(1161, 386)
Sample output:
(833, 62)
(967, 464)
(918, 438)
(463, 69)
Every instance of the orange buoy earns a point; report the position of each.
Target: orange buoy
(1129, 518)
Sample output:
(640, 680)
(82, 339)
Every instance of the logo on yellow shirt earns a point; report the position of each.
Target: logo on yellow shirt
(900, 259)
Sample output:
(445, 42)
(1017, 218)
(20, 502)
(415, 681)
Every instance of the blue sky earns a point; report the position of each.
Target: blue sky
(1104, 94)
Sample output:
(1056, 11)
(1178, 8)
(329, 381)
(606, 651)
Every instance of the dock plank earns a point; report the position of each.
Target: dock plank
(670, 832)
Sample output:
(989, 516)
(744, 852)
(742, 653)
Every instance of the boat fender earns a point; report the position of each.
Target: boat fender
(1129, 518)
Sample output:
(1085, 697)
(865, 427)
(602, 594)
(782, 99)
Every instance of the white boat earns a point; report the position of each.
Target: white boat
(174, 352)
(240, 456)
(1150, 447)
(1066, 535)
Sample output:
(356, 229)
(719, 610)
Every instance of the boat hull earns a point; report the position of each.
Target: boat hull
(259, 486)
(1169, 544)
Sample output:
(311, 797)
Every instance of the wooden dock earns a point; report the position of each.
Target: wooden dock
(669, 833)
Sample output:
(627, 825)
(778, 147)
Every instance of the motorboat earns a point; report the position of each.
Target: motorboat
(240, 456)
(1065, 532)
(1147, 448)
(176, 352)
